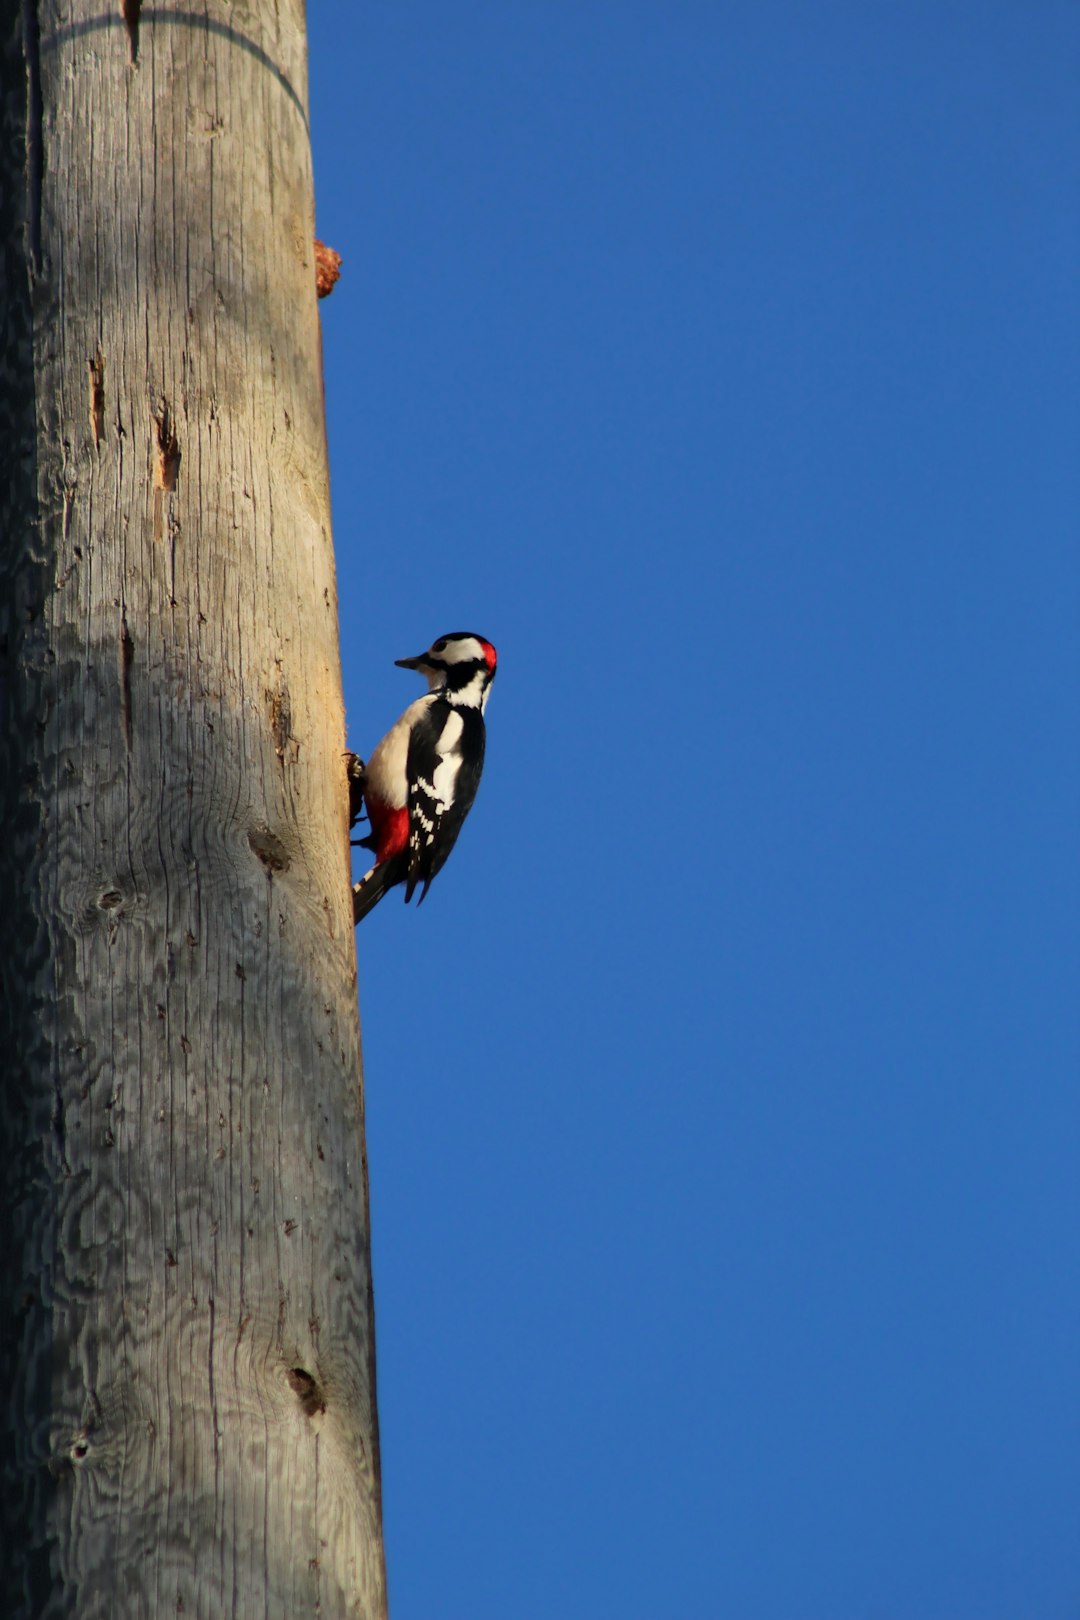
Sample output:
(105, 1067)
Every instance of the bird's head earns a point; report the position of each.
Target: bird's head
(461, 665)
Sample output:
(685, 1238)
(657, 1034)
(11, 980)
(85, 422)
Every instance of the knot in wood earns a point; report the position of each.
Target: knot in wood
(307, 1391)
(270, 849)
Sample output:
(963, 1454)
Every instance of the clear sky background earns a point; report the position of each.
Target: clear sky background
(720, 363)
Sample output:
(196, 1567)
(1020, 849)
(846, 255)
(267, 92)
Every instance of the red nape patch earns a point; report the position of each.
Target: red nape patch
(490, 655)
(391, 829)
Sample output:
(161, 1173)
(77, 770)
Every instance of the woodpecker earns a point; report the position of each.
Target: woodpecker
(419, 784)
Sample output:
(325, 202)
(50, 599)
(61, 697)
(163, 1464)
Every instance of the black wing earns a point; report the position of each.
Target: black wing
(435, 816)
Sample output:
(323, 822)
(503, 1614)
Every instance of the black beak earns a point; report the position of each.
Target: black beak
(411, 663)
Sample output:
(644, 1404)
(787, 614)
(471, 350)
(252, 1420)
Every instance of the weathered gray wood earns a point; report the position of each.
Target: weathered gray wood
(186, 1314)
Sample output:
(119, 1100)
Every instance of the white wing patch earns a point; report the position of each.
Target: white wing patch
(431, 796)
(445, 773)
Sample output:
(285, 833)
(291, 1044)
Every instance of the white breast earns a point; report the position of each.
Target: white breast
(387, 777)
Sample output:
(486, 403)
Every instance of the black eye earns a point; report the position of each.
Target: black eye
(439, 646)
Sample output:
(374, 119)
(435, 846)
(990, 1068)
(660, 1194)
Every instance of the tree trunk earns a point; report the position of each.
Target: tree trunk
(186, 1314)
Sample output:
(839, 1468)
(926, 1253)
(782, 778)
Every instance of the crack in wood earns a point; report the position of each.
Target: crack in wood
(280, 719)
(167, 458)
(96, 368)
(129, 11)
(166, 471)
(127, 655)
(34, 141)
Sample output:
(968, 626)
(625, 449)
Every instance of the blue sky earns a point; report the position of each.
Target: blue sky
(720, 363)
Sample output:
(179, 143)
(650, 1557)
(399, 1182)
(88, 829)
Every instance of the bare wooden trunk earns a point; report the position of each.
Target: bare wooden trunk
(186, 1316)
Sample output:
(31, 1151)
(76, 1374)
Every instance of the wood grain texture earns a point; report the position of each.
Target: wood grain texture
(187, 1313)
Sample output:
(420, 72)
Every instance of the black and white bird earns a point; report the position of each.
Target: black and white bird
(419, 784)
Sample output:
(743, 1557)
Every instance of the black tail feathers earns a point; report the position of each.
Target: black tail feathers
(373, 885)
